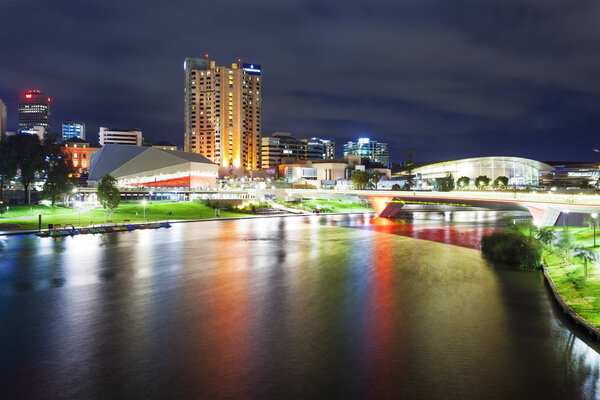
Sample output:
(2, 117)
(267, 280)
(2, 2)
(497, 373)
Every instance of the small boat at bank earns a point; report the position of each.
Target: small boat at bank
(69, 230)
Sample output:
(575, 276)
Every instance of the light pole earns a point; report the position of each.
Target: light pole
(594, 216)
(144, 204)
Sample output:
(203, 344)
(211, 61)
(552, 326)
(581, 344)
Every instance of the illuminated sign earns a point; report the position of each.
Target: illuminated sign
(252, 69)
(363, 140)
(28, 96)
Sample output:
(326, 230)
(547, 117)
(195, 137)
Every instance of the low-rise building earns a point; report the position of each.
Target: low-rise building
(139, 166)
(79, 153)
(164, 145)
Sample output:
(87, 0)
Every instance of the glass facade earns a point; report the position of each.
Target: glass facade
(519, 171)
(73, 130)
(367, 148)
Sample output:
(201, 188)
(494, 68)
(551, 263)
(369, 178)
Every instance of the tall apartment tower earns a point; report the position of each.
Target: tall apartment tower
(223, 112)
(34, 110)
(2, 120)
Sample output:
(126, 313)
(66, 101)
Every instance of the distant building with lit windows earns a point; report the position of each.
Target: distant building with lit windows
(319, 149)
(79, 153)
(34, 110)
(73, 130)
(131, 137)
(223, 112)
(367, 148)
(280, 145)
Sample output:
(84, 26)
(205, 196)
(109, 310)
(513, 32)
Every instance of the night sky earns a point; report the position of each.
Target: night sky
(451, 79)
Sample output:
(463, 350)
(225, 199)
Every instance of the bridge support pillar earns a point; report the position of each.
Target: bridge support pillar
(546, 216)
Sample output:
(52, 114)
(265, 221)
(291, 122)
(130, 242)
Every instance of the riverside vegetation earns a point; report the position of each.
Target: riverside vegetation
(569, 254)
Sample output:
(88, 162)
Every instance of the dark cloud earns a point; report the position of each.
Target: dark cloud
(450, 79)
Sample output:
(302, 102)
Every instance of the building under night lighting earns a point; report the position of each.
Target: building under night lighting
(367, 148)
(223, 112)
(73, 130)
(34, 110)
(141, 166)
(131, 137)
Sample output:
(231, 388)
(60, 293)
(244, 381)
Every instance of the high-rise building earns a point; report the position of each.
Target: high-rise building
(34, 110)
(120, 136)
(73, 130)
(371, 149)
(223, 112)
(281, 145)
(319, 149)
(2, 120)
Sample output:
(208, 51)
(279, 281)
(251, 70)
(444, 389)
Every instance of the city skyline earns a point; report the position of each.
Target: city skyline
(512, 78)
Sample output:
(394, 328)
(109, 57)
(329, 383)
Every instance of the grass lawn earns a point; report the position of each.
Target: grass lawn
(34, 210)
(133, 211)
(329, 206)
(582, 294)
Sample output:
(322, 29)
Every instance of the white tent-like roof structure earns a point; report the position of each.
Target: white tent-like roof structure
(123, 161)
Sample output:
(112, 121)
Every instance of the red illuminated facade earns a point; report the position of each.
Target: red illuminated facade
(79, 153)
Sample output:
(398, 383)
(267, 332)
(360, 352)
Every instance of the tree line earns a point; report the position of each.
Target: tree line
(26, 158)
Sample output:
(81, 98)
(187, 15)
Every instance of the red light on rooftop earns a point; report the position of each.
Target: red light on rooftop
(48, 99)
(206, 55)
(239, 60)
(28, 95)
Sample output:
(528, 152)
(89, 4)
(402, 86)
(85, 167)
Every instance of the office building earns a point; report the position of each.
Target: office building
(319, 149)
(280, 145)
(140, 166)
(2, 120)
(223, 112)
(34, 110)
(131, 137)
(371, 149)
(73, 130)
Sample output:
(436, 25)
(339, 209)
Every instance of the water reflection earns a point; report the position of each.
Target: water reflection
(306, 307)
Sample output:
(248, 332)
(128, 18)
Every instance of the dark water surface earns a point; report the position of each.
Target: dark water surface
(300, 307)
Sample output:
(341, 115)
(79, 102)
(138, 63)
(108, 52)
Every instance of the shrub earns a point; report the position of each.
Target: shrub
(511, 246)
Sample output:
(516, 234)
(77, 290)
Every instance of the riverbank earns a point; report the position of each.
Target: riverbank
(25, 218)
(579, 292)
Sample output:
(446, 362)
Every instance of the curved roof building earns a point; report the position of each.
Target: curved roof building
(519, 171)
(139, 166)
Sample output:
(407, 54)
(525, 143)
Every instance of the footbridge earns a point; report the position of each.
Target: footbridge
(546, 209)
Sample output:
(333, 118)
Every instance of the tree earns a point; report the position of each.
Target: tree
(59, 173)
(8, 164)
(547, 236)
(395, 186)
(29, 157)
(108, 194)
(375, 177)
(501, 181)
(410, 178)
(482, 181)
(463, 181)
(360, 179)
(565, 245)
(586, 255)
(444, 184)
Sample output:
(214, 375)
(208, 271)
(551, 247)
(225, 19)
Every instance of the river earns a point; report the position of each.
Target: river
(283, 308)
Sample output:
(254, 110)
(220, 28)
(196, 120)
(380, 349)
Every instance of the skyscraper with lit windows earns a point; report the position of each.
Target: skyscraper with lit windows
(34, 110)
(73, 130)
(223, 112)
(367, 148)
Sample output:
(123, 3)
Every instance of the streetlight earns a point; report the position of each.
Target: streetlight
(594, 216)
(144, 204)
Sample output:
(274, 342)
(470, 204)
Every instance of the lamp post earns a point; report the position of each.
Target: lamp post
(594, 216)
(144, 204)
